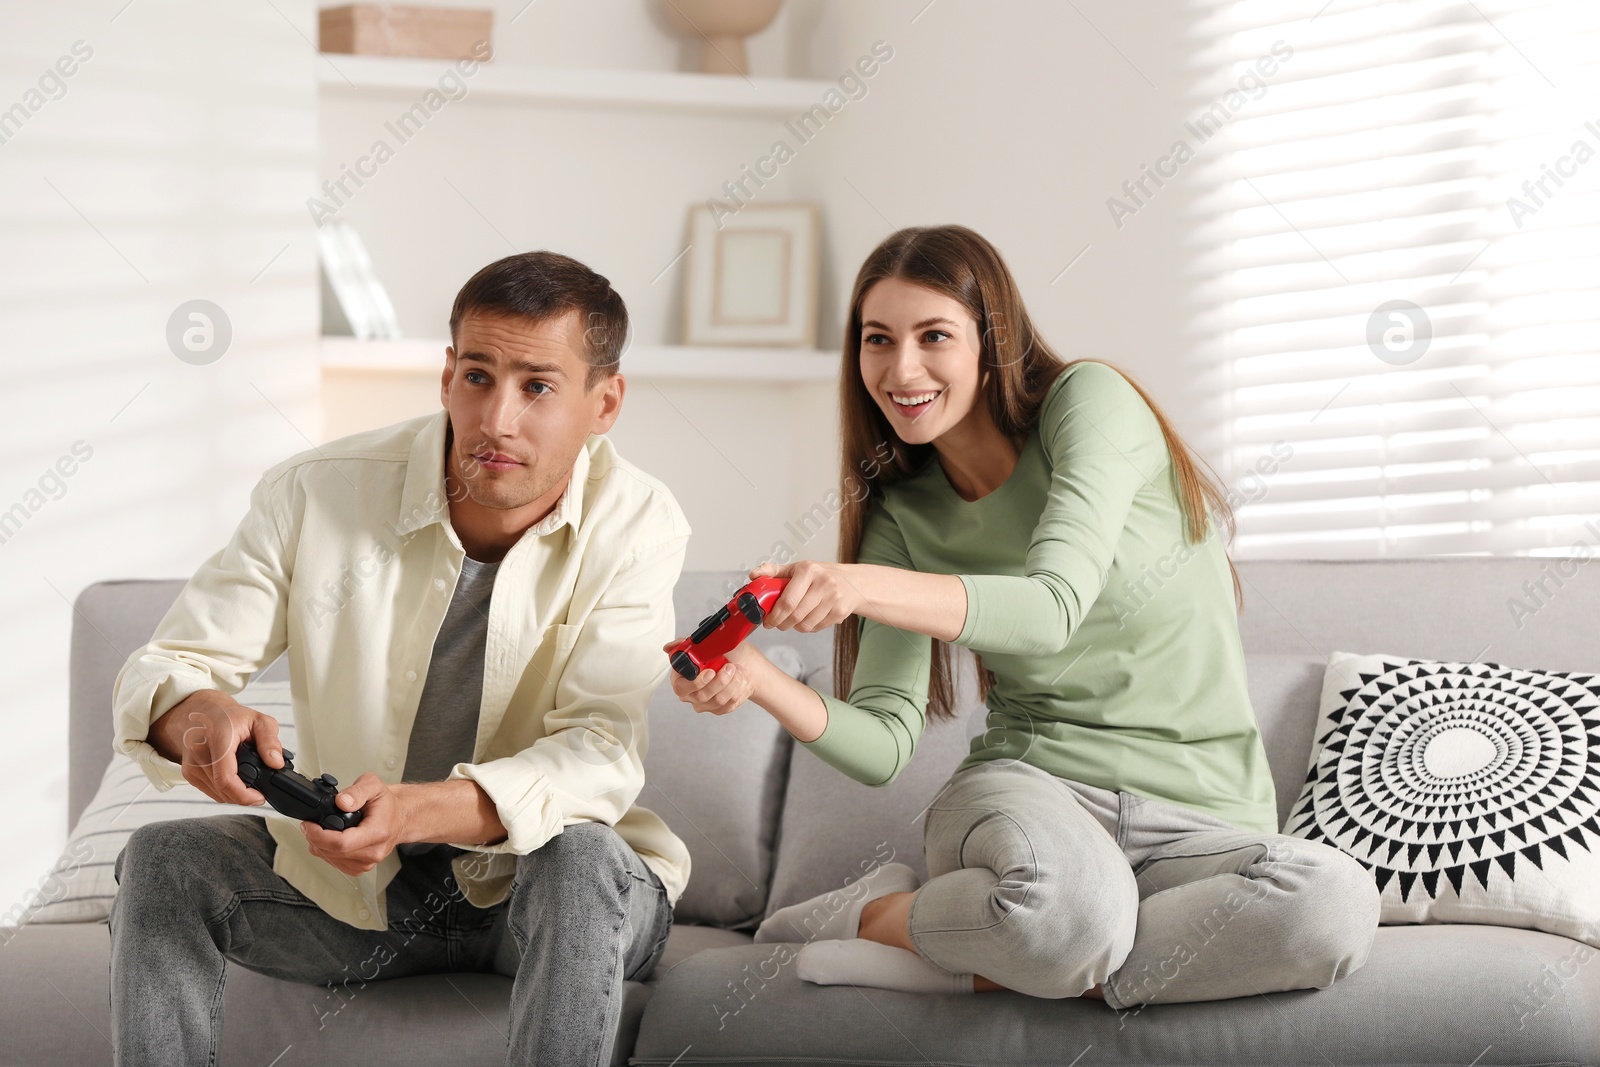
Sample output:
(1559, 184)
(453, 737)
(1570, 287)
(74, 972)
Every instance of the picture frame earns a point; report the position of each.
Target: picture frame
(752, 276)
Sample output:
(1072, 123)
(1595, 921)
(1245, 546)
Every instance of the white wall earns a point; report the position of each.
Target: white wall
(1018, 120)
(174, 167)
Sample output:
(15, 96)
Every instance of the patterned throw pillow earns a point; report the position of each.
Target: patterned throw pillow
(81, 885)
(1469, 790)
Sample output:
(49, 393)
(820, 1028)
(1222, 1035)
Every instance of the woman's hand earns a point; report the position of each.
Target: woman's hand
(819, 595)
(719, 692)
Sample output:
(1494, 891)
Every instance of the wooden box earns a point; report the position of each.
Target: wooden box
(405, 30)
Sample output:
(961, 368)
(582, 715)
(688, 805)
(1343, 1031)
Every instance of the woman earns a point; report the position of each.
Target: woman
(1113, 835)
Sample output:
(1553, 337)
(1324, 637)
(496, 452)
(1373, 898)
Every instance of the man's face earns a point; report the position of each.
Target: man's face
(519, 409)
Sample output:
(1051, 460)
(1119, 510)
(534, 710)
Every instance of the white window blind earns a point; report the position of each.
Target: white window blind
(1376, 165)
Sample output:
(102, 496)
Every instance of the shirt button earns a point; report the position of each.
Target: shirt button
(390, 762)
(365, 914)
(411, 676)
(438, 583)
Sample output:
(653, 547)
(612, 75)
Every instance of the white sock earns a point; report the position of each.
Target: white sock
(837, 913)
(869, 963)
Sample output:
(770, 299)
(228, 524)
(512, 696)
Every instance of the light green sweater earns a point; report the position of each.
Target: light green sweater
(1114, 643)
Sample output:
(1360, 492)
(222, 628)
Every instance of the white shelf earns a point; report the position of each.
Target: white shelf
(350, 76)
(640, 361)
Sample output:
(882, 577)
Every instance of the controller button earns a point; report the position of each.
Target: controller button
(684, 665)
(709, 624)
(751, 609)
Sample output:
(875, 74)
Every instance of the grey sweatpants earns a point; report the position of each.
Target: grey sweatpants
(1048, 886)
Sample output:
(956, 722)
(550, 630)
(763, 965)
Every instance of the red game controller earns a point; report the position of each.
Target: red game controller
(720, 632)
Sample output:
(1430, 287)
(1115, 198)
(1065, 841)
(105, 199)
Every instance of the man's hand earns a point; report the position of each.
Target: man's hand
(719, 692)
(202, 731)
(450, 811)
(819, 595)
(383, 825)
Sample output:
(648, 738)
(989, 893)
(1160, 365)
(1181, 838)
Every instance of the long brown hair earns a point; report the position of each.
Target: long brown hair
(962, 265)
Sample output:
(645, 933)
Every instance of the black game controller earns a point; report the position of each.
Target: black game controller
(293, 793)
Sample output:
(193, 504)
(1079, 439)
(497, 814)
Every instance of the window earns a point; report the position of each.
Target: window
(1444, 155)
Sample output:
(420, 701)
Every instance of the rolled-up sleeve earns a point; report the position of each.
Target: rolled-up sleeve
(1104, 444)
(872, 735)
(229, 622)
(589, 765)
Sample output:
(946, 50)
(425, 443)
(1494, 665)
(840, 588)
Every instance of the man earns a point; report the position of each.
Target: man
(473, 605)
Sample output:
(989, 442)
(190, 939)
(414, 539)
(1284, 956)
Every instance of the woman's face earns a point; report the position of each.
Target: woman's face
(919, 358)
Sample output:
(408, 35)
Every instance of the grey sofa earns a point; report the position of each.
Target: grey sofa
(769, 824)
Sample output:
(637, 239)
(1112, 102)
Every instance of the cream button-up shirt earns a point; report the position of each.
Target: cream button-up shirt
(346, 562)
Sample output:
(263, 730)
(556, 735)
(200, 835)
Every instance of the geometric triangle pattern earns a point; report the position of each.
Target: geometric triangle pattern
(1454, 782)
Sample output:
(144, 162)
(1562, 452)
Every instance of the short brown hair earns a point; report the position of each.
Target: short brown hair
(541, 285)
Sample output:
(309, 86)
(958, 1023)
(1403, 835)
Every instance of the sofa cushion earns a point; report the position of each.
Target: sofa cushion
(1441, 607)
(1284, 690)
(686, 939)
(55, 989)
(111, 621)
(55, 986)
(1469, 790)
(80, 887)
(718, 780)
(835, 829)
(1430, 995)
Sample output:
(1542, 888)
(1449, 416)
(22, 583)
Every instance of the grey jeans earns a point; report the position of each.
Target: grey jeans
(584, 914)
(1048, 886)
